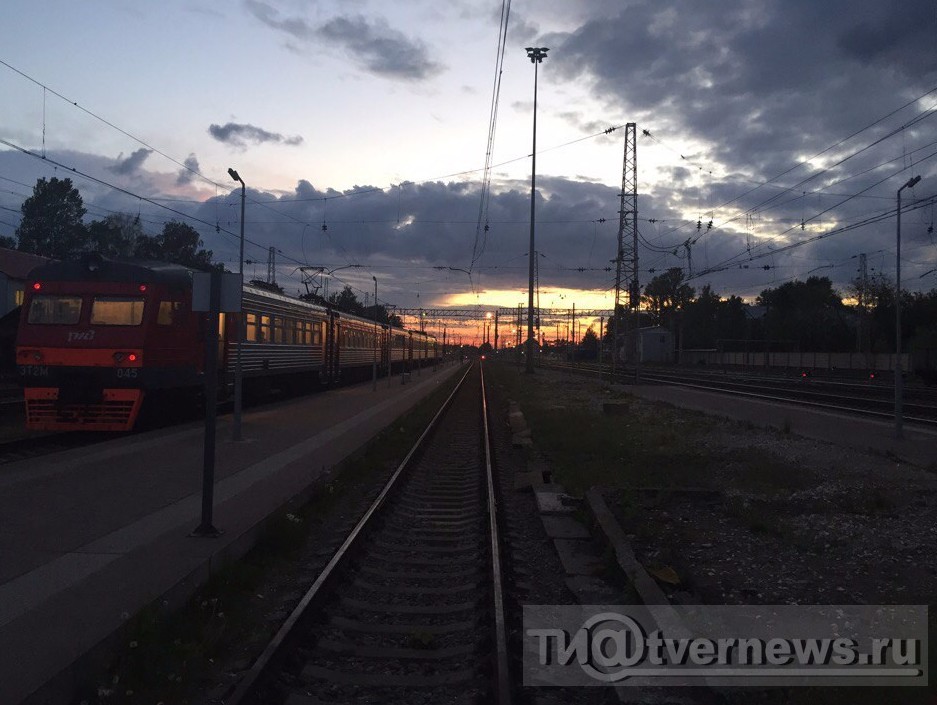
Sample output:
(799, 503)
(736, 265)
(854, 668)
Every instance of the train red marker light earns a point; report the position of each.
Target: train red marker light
(37, 286)
(132, 357)
(143, 287)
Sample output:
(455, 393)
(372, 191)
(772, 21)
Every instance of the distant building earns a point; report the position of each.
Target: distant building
(655, 345)
(15, 267)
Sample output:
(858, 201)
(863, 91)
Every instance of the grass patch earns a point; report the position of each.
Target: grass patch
(642, 445)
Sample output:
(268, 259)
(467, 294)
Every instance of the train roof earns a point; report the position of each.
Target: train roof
(96, 268)
(282, 298)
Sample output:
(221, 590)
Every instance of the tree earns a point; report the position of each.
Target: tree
(115, 236)
(52, 220)
(666, 292)
(178, 243)
(810, 315)
(589, 345)
(8, 242)
(347, 301)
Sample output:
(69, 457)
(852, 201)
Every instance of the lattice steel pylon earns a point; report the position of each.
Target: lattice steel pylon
(272, 266)
(626, 261)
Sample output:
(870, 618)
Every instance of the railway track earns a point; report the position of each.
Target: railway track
(409, 609)
(920, 404)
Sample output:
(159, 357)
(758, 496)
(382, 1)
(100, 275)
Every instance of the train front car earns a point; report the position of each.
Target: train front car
(97, 336)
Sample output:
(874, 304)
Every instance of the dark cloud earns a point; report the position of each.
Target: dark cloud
(240, 135)
(381, 49)
(295, 27)
(756, 87)
(373, 44)
(131, 164)
(187, 174)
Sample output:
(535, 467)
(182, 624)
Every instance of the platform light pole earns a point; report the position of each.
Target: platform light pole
(238, 370)
(376, 343)
(899, 382)
(536, 56)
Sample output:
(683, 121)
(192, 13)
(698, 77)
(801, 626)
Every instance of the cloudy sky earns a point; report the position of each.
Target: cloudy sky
(772, 136)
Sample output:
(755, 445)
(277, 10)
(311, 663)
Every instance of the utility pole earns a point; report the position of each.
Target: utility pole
(572, 334)
(272, 266)
(863, 302)
(496, 330)
(899, 372)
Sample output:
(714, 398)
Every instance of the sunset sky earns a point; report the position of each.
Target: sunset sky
(777, 122)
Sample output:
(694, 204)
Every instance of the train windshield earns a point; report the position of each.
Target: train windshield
(55, 310)
(117, 311)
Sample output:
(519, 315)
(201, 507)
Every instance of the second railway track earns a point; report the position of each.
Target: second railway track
(409, 609)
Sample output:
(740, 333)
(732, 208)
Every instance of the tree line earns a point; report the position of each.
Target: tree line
(808, 315)
(53, 225)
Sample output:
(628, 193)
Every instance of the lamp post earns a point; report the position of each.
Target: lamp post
(899, 382)
(374, 362)
(238, 370)
(536, 56)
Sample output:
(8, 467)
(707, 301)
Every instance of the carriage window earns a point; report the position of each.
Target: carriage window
(169, 313)
(251, 332)
(117, 311)
(55, 310)
(264, 332)
(317, 333)
(298, 327)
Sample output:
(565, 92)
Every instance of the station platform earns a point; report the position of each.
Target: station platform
(917, 447)
(90, 536)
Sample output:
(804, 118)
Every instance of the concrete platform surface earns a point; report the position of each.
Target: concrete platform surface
(919, 445)
(90, 536)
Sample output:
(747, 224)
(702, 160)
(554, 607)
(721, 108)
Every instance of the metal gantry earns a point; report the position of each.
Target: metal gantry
(626, 260)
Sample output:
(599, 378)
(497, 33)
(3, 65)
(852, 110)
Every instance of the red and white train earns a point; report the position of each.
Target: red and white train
(100, 338)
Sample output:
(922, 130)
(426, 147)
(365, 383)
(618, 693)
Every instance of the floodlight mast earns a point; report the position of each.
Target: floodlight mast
(238, 369)
(536, 56)
(899, 371)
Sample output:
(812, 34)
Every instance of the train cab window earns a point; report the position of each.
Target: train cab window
(251, 331)
(55, 310)
(117, 310)
(169, 312)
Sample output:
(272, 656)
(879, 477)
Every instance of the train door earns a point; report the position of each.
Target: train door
(331, 349)
(409, 355)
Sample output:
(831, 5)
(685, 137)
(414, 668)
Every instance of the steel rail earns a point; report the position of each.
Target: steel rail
(502, 673)
(249, 681)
